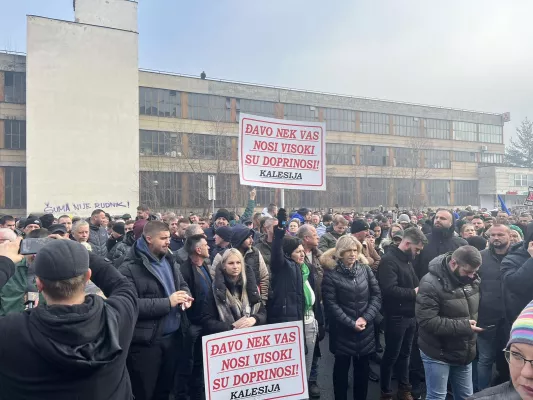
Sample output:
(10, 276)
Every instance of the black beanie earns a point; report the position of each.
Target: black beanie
(359, 225)
(119, 228)
(239, 234)
(222, 213)
(290, 244)
(47, 220)
(478, 242)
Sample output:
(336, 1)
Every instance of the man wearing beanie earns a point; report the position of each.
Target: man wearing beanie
(117, 236)
(241, 239)
(222, 241)
(361, 231)
(31, 223)
(221, 218)
(518, 353)
(75, 346)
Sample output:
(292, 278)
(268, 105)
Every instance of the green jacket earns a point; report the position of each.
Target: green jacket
(13, 293)
(328, 241)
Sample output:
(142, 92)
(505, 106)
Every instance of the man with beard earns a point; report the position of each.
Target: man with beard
(479, 225)
(446, 311)
(523, 220)
(441, 240)
(399, 286)
(491, 315)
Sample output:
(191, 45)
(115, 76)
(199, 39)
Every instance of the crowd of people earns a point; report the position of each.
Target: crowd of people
(116, 307)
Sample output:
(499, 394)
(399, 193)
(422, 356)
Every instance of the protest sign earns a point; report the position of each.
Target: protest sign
(529, 198)
(282, 154)
(263, 362)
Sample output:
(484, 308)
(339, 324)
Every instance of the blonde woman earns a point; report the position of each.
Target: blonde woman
(234, 301)
(352, 300)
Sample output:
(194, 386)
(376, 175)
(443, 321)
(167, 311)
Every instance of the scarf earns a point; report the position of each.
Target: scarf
(350, 272)
(308, 290)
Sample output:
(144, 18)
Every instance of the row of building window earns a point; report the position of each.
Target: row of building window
(344, 154)
(341, 191)
(15, 87)
(15, 187)
(166, 103)
(521, 180)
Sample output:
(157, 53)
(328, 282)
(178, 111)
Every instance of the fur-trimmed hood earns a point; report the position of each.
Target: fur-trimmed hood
(328, 260)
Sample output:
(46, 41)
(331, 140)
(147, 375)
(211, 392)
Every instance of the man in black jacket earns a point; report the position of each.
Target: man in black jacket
(163, 295)
(97, 233)
(517, 277)
(195, 271)
(75, 346)
(493, 339)
(177, 232)
(399, 286)
(446, 310)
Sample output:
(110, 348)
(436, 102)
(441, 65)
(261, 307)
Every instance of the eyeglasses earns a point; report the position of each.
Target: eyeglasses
(516, 359)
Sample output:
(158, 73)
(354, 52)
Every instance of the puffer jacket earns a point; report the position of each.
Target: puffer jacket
(517, 277)
(443, 310)
(504, 391)
(98, 239)
(118, 252)
(328, 240)
(345, 300)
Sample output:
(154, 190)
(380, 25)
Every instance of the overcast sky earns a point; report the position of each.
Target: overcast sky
(473, 54)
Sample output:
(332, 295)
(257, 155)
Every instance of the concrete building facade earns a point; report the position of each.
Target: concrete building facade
(378, 152)
(511, 183)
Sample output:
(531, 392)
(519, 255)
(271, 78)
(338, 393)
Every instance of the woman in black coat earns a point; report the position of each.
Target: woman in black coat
(293, 292)
(352, 300)
(234, 302)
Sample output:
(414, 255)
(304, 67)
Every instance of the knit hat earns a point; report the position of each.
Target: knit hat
(359, 225)
(138, 227)
(290, 244)
(32, 220)
(478, 242)
(222, 213)
(516, 228)
(404, 218)
(47, 220)
(225, 233)
(119, 228)
(239, 234)
(60, 260)
(522, 330)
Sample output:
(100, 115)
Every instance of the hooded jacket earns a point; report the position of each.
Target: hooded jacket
(345, 300)
(443, 310)
(517, 277)
(98, 239)
(70, 352)
(439, 242)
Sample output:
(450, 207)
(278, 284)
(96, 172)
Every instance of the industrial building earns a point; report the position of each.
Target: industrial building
(74, 139)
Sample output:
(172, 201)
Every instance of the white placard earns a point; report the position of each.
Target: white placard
(282, 154)
(263, 362)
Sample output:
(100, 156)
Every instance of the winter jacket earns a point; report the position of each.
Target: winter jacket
(517, 277)
(12, 294)
(176, 243)
(217, 250)
(265, 249)
(505, 391)
(397, 281)
(217, 315)
(346, 299)
(443, 310)
(194, 281)
(98, 239)
(70, 352)
(371, 255)
(118, 253)
(490, 289)
(254, 260)
(286, 300)
(328, 240)
(154, 304)
(438, 243)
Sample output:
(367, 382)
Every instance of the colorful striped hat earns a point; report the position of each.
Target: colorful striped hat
(522, 330)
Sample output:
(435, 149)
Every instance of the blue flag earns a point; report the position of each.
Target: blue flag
(504, 207)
